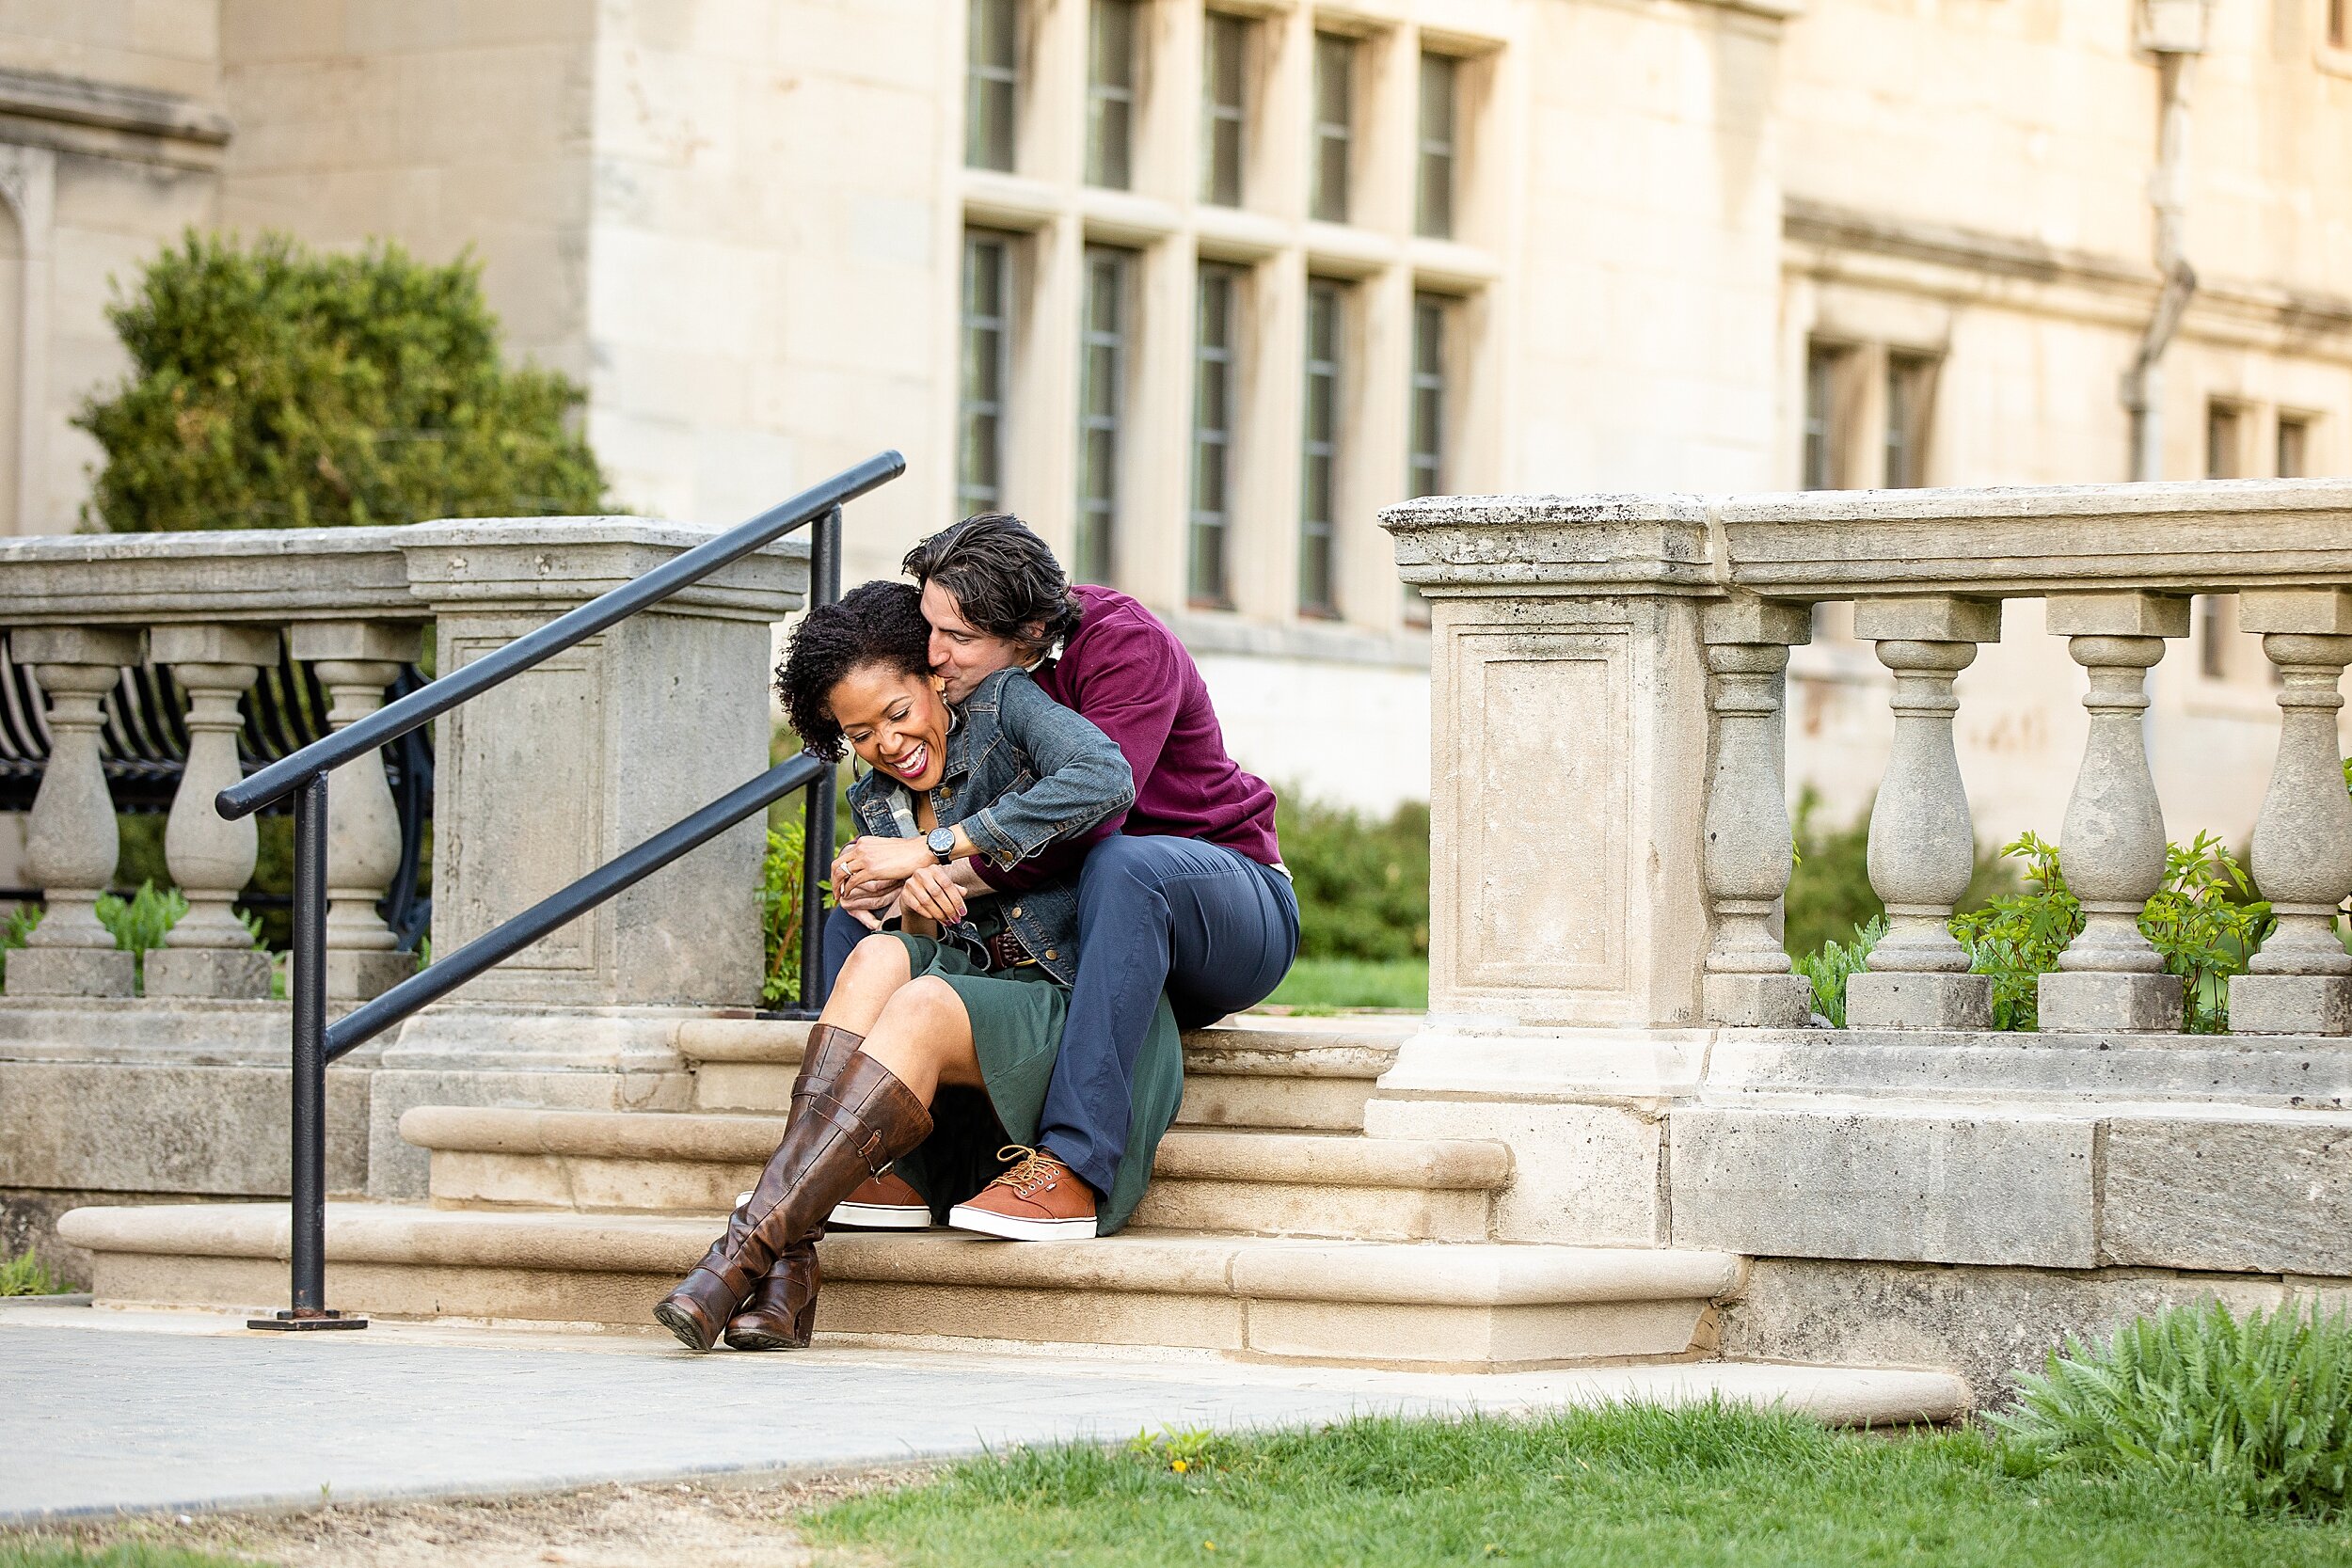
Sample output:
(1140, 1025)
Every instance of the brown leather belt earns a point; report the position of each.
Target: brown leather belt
(1006, 952)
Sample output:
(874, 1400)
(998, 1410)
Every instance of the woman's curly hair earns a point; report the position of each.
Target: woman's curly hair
(875, 623)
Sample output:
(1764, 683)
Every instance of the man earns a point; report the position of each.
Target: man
(1183, 893)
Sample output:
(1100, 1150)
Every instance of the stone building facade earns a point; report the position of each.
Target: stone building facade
(1199, 288)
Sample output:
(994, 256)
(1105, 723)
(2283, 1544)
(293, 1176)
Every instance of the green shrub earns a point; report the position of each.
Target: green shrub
(1827, 968)
(780, 913)
(1362, 884)
(2204, 922)
(1829, 889)
(278, 387)
(2259, 1409)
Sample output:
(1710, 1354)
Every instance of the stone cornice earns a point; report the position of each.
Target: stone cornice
(78, 115)
(2202, 535)
(270, 576)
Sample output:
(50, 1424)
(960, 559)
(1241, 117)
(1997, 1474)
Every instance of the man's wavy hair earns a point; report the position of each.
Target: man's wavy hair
(875, 623)
(1004, 577)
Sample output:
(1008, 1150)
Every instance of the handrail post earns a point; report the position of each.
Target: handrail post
(824, 587)
(307, 1244)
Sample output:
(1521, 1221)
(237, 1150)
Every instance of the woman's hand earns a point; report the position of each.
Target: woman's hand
(873, 864)
(932, 892)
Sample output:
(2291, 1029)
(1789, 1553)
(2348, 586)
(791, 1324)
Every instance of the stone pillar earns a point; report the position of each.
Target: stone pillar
(545, 778)
(1923, 844)
(2301, 980)
(355, 660)
(2111, 843)
(71, 844)
(1748, 853)
(209, 953)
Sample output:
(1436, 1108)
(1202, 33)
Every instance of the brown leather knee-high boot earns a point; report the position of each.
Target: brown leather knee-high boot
(781, 1312)
(846, 1133)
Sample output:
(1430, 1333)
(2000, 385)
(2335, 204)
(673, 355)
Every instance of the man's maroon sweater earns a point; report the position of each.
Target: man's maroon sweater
(1128, 673)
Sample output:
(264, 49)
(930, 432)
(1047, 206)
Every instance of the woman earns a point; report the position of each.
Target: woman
(960, 1010)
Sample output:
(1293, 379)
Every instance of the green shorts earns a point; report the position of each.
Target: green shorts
(1017, 1017)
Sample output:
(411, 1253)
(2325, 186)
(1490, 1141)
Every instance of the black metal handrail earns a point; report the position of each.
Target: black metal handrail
(303, 775)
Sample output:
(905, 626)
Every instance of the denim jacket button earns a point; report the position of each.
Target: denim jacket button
(1016, 911)
(1051, 954)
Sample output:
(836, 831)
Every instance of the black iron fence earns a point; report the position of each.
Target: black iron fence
(301, 776)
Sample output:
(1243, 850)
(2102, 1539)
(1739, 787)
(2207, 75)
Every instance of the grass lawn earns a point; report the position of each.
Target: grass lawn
(1327, 985)
(1625, 1489)
(130, 1553)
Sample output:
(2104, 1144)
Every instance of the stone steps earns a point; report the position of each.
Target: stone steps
(1308, 1075)
(1473, 1306)
(1254, 1182)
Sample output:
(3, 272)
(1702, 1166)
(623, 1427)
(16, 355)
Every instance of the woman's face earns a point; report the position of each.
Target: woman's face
(895, 722)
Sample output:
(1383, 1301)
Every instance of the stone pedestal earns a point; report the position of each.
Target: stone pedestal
(71, 844)
(209, 952)
(597, 749)
(1922, 838)
(355, 660)
(2110, 980)
(2301, 980)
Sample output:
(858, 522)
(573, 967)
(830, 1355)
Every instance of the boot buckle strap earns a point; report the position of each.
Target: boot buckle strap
(866, 1140)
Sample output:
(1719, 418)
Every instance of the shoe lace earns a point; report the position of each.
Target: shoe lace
(1031, 1168)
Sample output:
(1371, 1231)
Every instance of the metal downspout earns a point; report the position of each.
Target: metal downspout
(2174, 32)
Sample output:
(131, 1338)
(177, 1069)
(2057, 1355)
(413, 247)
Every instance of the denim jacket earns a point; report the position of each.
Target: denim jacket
(1023, 772)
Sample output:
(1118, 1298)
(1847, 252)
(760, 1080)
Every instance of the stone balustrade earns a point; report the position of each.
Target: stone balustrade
(1609, 678)
(554, 774)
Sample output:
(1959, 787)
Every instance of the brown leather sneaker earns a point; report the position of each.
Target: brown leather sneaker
(883, 1202)
(1037, 1199)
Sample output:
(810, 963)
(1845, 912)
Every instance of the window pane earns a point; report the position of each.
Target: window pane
(1434, 196)
(1225, 52)
(1102, 399)
(1823, 461)
(991, 81)
(2294, 441)
(2221, 441)
(1319, 476)
(979, 458)
(1110, 93)
(1909, 380)
(1211, 435)
(1335, 69)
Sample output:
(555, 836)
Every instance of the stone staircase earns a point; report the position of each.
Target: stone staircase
(1275, 1230)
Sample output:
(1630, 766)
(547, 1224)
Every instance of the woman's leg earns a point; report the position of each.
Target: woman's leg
(922, 1033)
(876, 968)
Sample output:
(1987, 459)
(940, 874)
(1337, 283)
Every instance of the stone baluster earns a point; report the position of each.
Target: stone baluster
(355, 660)
(1747, 859)
(71, 844)
(209, 952)
(2301, 980)
(1923, 845)
(2111, 842)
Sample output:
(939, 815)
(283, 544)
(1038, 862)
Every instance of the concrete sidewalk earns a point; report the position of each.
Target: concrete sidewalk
(111, 1411)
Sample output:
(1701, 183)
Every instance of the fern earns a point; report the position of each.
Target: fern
(1829, 967)
(2259, 1409)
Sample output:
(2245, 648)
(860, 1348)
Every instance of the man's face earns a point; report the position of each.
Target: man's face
(963, 656)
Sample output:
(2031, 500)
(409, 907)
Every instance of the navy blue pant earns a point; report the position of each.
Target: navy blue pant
(1213, 928)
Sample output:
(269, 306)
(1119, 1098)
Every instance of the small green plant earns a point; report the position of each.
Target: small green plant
(139, 923)
(780, 913)
(25, 1274)
(1184, 1451)
(2261, 1408)
(15, 929)
(2204, 923)
(1830, 966)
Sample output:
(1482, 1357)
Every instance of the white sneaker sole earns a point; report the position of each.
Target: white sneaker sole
(964, 1217)
(880, 1216)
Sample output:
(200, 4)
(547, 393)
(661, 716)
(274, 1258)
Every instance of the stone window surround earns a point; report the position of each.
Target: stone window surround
(1171, 231)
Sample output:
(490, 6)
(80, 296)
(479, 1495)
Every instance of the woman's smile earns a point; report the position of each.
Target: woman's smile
(911, 766)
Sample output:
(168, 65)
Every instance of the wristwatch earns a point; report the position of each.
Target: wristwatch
(941, 844)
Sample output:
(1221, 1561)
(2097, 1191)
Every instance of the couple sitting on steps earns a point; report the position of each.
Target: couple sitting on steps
(1074, 869)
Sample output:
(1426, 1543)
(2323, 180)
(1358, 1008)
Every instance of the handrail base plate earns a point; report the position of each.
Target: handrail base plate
(299, 1320)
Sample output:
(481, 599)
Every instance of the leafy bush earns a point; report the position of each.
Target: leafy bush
(2204, 922)
(2259, 1409)
(276, 388)
(1830, 966)
(780, 913)
(1362, 884)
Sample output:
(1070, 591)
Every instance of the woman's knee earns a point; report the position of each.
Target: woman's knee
(878, 961)
(921, 1005)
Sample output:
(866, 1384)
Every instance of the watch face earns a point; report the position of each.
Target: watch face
(941, 840)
